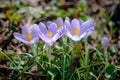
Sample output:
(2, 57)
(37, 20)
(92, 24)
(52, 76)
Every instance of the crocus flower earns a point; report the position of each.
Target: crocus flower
(59, 22)
(78, 29)
(105, 42)
(28, 36)
(50, 33)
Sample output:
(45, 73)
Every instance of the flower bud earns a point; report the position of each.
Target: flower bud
(105, 42)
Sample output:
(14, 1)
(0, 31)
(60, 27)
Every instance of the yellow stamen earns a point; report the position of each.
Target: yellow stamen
(59, 25)
(76, 31)
(29, 36)
(50, 34)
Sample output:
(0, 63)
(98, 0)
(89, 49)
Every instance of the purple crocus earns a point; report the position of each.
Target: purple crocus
(78, 29)
(50, 33)
(28, 36)
(105, 42)
(59, 22)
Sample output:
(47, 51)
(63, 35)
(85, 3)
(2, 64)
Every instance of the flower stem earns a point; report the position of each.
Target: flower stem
(74, 42)
(86, 58)
(49, 53)
(33, 50)
(62, 42)
(35, 57)
(106, 56)
(86, 53)
(63, 67)
(72, 54)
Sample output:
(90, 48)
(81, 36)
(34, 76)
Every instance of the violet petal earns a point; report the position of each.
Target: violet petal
(75, 23)
(85, 26)
(68, 26)
(26, 30)
(59, 21)
(35, 30)
(21, 38)
(34, 40)
(48, 23)
(52, 27)
(42, 28)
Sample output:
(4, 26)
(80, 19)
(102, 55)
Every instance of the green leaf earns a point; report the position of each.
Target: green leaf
(111, 71)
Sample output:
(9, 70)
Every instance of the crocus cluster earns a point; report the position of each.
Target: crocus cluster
(52, 31)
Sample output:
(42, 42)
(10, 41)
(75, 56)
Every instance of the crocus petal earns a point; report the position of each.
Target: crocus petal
(86, 34)
(59, 21)
(21, 38)
(26, 30)
(75, 23)
(46, 39)
(56, 36)
(93, 26)
(81, 21)
(42, 28)
(52, 27)
(76, 38)
(34, 40)
(73, 37)
(68, 34)
(35, 31)
(48, 23)
(86, 25)
(59, 34)
(79, 37)
(68, 26)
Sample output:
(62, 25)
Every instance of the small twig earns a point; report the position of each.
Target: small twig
(100, 74)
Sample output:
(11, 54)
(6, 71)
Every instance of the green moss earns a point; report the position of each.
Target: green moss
(12, 16)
